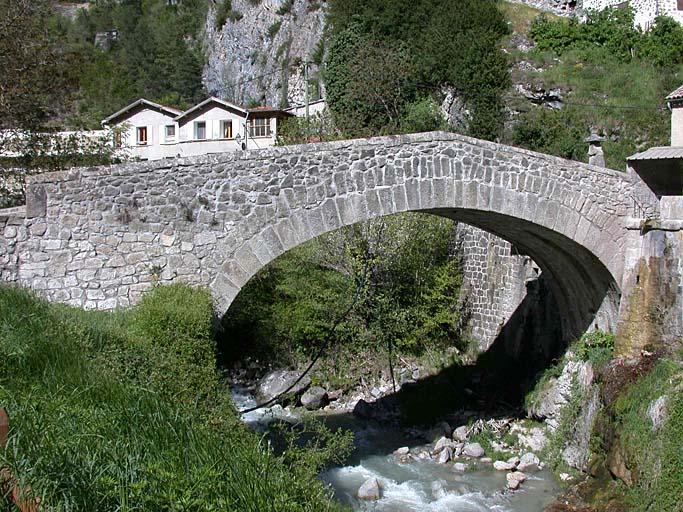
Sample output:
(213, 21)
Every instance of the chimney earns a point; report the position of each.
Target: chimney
(596, 155)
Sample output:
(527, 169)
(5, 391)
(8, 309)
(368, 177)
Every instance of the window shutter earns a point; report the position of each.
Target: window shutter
(216, 132)
(162, 134)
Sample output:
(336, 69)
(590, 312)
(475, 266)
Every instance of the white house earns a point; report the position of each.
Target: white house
(152, 131)
(675, 102)
(146, 130)
(645, 10)
(315, 108)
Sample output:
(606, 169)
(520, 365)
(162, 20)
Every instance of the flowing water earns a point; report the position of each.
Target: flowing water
(419, 485)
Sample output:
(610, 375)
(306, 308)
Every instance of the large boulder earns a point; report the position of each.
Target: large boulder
(529, 463)
(314, 398)
(369, 490)
(277, 382)
(473, 450)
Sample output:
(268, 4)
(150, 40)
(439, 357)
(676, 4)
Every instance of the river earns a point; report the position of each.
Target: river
(419, 485)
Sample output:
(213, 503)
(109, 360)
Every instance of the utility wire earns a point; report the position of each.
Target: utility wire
(231, 86)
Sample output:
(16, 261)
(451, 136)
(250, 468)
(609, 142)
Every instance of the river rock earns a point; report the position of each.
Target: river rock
(529, 463)
(515, 479)
(404, 450)
(335, 395)
(276, 383)
(460, 433)
(442, 443)
(473, 450)
(534, 438)
(460, 467)
(369, 490)
(446, 455)
(362, 409)
(440, 430)
(501, 465)
(314, 398)
(514, 461)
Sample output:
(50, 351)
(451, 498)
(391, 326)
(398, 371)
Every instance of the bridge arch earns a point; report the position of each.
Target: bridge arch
(98, 237)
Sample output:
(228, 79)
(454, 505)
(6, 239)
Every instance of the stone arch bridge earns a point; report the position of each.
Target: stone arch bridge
(98, 237)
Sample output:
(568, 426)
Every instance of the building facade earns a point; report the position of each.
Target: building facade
(645, 10)
(145, 130)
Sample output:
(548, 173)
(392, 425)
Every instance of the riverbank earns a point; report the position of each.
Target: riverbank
(114, 411)
(398, 469)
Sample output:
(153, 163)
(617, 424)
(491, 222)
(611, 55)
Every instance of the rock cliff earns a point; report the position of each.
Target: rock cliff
(257, 56)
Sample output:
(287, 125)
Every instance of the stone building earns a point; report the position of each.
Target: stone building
(645, 10)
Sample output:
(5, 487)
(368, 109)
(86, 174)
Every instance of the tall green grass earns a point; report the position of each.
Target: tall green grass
(123, 412)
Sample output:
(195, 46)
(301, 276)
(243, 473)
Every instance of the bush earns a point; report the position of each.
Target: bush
(407, 280)
(383, 54)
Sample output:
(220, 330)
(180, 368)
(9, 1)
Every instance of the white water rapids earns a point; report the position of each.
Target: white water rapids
(419, 485)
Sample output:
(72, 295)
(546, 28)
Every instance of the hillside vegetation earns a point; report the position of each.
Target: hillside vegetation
(401, 276)
(124, 411)
(613, 79)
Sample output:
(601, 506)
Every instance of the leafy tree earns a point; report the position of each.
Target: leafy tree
(405, 49)
(663, 43)
(35, 69)
(403, 267)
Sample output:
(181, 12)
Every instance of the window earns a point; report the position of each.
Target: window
(118, 142)
(226, 129)
(680, 5)
(200, 130)
(142, 135)
(169, 132)
(259, 127)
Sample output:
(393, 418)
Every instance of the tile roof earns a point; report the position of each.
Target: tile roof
(659, 153)
(142, 101)
(676, 95)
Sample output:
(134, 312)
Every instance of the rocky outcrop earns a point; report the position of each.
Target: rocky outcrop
(258, 55)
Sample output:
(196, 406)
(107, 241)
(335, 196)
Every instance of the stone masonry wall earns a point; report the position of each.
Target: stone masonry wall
(494, 278)
(97, 238)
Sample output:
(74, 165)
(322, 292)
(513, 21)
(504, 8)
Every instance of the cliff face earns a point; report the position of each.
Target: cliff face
(258, 54)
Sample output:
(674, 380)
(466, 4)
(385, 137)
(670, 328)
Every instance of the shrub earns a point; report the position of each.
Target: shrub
(285, 7)
(654, 454)
(274, 29)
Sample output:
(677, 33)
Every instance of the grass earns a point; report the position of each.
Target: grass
(104, 416)
(654, 452)
(599, 94)
(519, 16)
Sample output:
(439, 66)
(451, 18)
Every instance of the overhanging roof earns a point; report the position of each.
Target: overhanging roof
(676, 96)
(659, 153)
(170, 111)
(661, 168)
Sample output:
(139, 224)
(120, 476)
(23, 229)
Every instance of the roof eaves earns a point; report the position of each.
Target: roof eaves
(212, 99)
(141, 101)
(677, 95)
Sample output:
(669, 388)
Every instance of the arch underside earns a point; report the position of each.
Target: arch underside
(585, 290)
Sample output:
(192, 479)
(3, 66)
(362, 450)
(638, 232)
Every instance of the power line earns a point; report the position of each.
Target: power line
(457, 91)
